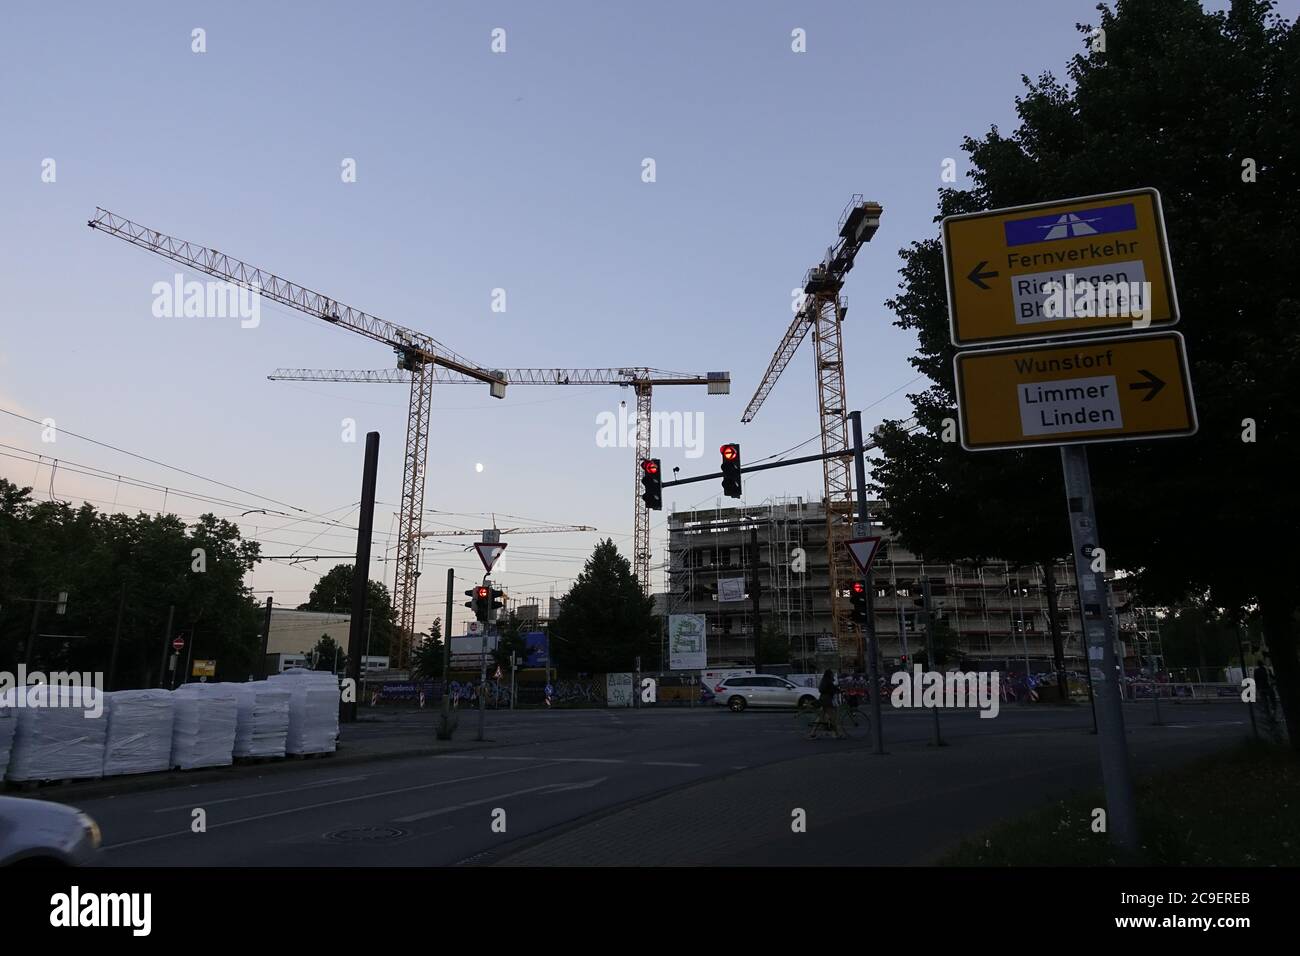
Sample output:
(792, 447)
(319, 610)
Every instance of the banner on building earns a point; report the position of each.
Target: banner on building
(687, 648)
(538, 650)
(731, 589)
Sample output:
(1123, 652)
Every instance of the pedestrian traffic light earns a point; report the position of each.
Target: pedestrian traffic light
(652, 484)
(731, 470)
(858, 595)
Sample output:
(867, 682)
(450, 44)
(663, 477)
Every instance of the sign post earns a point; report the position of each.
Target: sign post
(1074, 268)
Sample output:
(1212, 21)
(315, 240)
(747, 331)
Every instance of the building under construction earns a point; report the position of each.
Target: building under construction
(994, 613)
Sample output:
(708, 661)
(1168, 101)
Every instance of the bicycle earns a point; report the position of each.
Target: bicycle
(852, 722)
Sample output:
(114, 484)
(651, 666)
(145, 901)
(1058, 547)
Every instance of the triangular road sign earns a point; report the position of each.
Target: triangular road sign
(488, 554)
(863, 551)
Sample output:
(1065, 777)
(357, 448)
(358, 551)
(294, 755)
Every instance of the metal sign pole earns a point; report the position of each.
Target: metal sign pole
(1099, 640)
(865, 519)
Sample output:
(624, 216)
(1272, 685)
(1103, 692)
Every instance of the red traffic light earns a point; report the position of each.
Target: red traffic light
(480, 591)
(729, 452)
(650, 466)
(858, 587)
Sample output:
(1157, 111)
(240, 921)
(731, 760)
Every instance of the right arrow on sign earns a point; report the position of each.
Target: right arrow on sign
(1153, 383)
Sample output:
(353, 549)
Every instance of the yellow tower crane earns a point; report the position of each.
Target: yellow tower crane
(822, 310)
(641, 380)
(418, 355)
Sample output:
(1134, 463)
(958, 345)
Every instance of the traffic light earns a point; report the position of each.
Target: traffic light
(495, 601)
(652, 492)
(731, 470)
(479, 598)
(858, 595)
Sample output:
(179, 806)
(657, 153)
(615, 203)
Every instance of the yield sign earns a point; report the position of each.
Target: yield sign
(488, 554)
(863, 551)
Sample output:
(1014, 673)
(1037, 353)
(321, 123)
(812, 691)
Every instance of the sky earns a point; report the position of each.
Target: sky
(475, 171)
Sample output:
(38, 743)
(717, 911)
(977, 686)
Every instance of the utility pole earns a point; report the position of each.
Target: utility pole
(929, 645)
(260, 670)
(117, 638)
(864, 518)
(482, 669)
(361, 575)
(166, 646)
(755, 592)
(446, 654)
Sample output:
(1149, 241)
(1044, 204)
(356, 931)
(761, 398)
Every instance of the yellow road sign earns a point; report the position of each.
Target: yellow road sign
(1093, 264)
(1098, 390)
(204, 669)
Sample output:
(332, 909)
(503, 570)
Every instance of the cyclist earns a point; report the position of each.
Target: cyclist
(828, 719)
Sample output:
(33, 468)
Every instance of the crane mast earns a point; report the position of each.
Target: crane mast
(822, 311)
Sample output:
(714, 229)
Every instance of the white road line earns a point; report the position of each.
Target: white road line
(264, 793)
(428, 814)
(318, 806)
(668, 763)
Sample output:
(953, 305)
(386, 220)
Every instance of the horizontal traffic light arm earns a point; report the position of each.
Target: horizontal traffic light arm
(845, 453)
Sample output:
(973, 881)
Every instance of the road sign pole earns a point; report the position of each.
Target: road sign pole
(929, 646)
(864, 517)
(1099, 640)
(482, 671)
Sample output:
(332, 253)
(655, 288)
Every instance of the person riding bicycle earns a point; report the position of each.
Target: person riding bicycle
(827, 690)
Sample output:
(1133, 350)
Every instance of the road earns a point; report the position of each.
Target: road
(691, 786)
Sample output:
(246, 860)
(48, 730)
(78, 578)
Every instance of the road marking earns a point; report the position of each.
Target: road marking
(555, 759)
(552, 787)
(267, 793)
(668, 763)
(318, 806)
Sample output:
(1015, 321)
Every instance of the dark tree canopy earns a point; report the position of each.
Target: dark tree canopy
(605, 621)
(1189, 102)
(333, 592)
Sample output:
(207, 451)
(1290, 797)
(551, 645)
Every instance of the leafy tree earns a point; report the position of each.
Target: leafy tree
(142, 564)
(428, 653)
(510, 640)
(1200, 635)
(333, 593)
(1179, 100)
(774, 644)
(605, 620)
(327, 655)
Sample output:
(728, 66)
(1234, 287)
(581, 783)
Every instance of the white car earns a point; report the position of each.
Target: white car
(761, 690)
(38, 832)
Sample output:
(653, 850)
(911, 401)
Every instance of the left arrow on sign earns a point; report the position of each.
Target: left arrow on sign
(977, 277)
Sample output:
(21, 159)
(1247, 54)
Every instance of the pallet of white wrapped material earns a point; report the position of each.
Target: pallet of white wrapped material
(313, 710)
(139, 731)
(263, 719)
(8, 724)
(60, 734)
(203, 733)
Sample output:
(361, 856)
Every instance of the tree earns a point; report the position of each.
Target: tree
(427, 655)
(774, 644)
(510, 640)
(143, 564)
(605, 620)
(326, 655)
(333, 593)
(1197, 105)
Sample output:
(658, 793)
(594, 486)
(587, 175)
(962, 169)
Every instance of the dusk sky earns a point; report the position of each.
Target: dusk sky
(475, 171)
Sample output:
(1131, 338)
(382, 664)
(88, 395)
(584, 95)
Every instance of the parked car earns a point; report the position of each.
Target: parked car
(35, 832)
(761, 690)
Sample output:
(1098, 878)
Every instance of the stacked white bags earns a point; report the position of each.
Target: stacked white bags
(313, 710)
(139, 731)
(263, 719)
(203, 734)
(8, 724)
(60, 734)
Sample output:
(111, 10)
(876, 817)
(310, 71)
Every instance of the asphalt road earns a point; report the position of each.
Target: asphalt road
(698, 786)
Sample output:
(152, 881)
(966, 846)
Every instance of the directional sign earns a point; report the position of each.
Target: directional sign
(488, 553)
(863, 551)
(1095, 264)
(1099, 390)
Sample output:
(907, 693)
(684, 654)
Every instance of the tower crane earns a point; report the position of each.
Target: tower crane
(418, 355)
(641, 380)
(822, 310)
